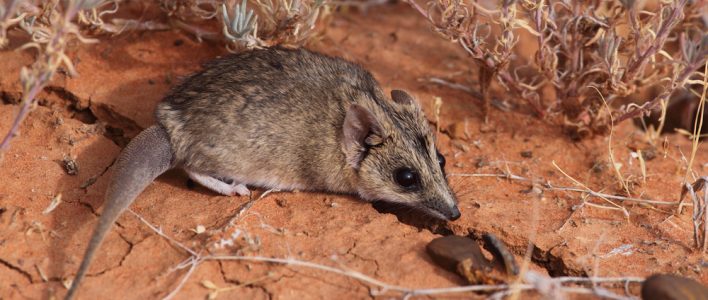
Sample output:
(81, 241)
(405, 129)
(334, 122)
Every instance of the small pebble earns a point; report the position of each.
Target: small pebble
(281, 202)
(448, 251)
(649, 154)
(463, 256)
(70, 166)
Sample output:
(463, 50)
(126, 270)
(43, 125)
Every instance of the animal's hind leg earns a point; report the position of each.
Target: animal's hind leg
(224, 186)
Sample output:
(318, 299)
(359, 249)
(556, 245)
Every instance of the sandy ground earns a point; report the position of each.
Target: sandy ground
(89, 118)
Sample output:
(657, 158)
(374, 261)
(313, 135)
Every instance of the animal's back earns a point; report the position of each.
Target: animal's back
(264, 110)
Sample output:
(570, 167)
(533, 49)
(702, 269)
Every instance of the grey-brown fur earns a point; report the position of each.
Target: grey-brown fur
(294, 119)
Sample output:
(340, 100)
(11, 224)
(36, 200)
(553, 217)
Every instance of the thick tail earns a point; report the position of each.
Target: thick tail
(147, 156)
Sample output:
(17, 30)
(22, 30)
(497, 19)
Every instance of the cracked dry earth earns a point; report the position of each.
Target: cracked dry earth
(89, 118)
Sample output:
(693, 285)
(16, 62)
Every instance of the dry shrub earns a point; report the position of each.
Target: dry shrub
(618, 47)
(258, 23)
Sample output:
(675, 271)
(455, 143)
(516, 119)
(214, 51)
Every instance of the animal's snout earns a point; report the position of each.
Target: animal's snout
(454, 213)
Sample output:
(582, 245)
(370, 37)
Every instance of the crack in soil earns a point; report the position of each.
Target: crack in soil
(85, 205)
(8, 99)
(63, 94)
(131, 245)
(96, 178)
(76, 108)
(251, 286)
(73, 103)
(376, 263)
(221, 270)
(17, 269)
(115, 123)
(93, 180)
(268, 293)
(122, 259)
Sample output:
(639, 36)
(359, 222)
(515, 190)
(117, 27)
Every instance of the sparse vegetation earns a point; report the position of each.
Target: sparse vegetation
(622, 48)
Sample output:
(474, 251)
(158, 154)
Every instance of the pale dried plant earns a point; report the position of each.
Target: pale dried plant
(240, 27)
(51, 28)
(615, 46)
(8, 18)
(251, 24)
(95, 16)
(99, 19)
(272, 22)
(700, 203)
(472, 26)
(700, 210)
(185, 9)
(291, 21)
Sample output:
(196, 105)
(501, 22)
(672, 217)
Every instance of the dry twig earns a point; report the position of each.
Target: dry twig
(700, 210)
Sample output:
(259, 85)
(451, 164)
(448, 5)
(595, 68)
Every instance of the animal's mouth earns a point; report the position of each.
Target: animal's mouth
(450, 215)
(394, 207)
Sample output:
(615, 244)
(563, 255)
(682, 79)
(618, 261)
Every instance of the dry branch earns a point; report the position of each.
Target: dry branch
(700, 210)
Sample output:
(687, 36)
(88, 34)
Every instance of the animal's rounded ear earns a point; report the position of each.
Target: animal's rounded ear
(361, 130)
(402, 97)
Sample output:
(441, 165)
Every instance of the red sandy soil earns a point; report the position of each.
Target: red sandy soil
(89, 118)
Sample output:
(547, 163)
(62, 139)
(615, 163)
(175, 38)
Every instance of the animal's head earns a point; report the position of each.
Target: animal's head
(392, 149)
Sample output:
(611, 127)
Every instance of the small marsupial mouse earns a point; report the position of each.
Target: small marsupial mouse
(284, 119)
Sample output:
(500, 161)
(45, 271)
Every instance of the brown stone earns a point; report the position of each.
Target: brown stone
(449, 251)
(672, 287)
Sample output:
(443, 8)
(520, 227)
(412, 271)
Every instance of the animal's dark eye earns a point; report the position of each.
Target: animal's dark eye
(406, 177)
(441, 160)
